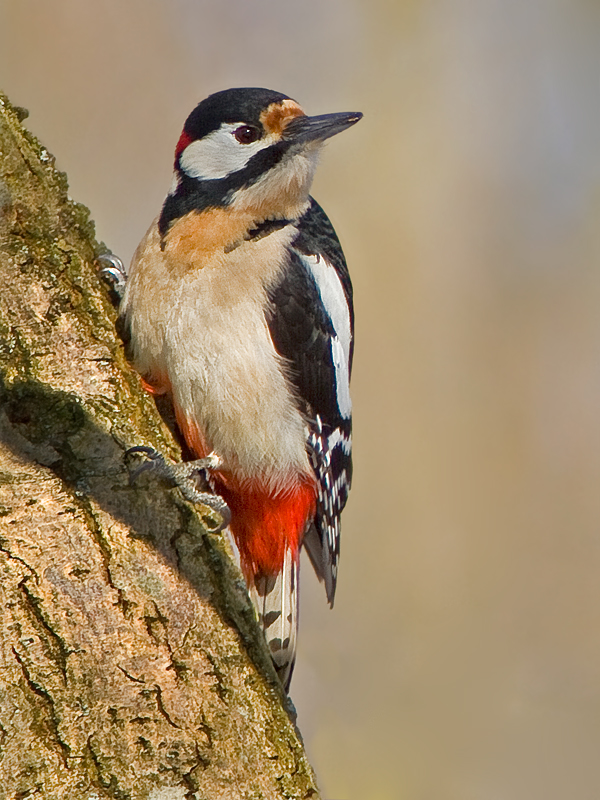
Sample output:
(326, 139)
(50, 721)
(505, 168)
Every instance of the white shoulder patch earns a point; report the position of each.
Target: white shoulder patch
(334, 301)
(219, 153)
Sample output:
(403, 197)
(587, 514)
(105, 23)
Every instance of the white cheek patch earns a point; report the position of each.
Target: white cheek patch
(219, 153)
(334, 301)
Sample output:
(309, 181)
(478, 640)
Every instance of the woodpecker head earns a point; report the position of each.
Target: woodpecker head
(252, 151)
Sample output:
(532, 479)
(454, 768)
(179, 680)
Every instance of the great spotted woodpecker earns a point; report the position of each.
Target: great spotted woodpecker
(238, 305)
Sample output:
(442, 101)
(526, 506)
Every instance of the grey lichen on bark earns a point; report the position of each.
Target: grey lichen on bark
(131, 665)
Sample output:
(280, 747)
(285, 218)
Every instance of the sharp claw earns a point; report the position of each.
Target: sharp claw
(113, 271)
(111, 258)
(114, 262)
(223, 511)
(154, 459)
(150, 452)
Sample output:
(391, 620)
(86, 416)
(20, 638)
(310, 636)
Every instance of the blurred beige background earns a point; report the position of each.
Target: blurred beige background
(462, 659)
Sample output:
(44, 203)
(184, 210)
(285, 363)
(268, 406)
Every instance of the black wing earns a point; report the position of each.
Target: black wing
(311, 321)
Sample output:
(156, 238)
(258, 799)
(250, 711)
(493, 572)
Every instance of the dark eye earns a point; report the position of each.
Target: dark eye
(245, 134)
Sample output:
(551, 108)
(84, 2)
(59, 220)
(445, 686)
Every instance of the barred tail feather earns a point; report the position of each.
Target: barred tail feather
(275, 598)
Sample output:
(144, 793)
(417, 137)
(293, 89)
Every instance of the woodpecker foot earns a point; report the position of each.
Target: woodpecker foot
(188, 476)
(112, 270)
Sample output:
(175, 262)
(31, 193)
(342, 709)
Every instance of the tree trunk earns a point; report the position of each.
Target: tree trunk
(131, 665)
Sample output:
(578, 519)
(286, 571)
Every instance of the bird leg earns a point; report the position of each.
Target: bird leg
(188, 476)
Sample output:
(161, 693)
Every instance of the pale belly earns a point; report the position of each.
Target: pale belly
(229, 384)
(204, 331)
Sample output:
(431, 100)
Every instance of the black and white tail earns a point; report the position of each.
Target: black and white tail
(275, 598)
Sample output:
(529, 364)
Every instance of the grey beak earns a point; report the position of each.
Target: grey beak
(316, 129)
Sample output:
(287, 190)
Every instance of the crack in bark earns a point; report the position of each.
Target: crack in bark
(97, 533)
(179, 668)
(157, 692)
(173, 542)
(130, 677)
(26, 794)
(13, 557)
(149, 621)
(34, 604)
(206, 730)
(220, 688)
(110, 784)
(190, 782)
(40, 691)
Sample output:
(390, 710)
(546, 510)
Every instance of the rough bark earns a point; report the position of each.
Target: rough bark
(130, 662)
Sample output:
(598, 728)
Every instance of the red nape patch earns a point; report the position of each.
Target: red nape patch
(265, 526)
(183, 142)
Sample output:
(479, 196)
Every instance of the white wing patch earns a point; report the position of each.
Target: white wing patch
(219, 153)
(335, 304)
